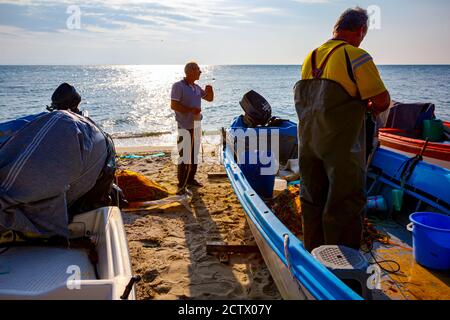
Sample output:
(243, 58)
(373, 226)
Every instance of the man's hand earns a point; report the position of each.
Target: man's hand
(371, 109)
(209, 93)
(196, 110)
(197, 114)
(379, 103)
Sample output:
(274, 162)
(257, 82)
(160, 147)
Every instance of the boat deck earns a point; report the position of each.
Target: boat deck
(412, 282)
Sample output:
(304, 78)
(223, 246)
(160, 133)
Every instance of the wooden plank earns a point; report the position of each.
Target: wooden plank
(217, 175)
(223, 247)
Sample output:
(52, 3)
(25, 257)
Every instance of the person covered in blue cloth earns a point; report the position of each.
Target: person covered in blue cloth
(65, 97)
(53, 166)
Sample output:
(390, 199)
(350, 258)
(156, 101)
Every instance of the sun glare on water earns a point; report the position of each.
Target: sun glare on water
(146, 102)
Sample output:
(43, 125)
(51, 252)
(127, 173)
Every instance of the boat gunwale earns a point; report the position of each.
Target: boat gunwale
(434, 150)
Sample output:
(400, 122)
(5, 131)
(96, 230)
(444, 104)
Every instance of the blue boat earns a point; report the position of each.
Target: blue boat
(298, 275)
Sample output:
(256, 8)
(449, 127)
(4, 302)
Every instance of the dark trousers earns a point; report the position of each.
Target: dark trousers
(188, 145)
(332, 200)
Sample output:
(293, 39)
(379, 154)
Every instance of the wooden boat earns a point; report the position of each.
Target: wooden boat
(298, 275)
(34, 271)
(399, 141)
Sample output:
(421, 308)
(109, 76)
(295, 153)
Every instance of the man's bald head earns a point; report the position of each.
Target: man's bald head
(191, 65)
(192, 71)
(352, 26)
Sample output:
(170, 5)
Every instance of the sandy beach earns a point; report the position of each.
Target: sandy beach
(168, 244)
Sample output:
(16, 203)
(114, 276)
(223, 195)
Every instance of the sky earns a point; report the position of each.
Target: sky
(213, 31)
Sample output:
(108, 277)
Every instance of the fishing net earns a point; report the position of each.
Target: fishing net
(372, 234)
(138, 188)
(286, 207)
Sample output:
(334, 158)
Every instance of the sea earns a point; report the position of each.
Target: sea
(132, 102)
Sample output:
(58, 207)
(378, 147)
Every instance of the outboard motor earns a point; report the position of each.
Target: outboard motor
(257, 110)
(258, 115)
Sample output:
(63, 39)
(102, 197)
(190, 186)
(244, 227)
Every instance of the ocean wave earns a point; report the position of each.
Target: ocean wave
(128, 135)
(131, 135)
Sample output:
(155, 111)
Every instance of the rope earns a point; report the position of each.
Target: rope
(407, 167)
(286, 254)
(380, 262)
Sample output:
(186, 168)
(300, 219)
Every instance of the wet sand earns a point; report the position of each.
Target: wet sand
(168, 244)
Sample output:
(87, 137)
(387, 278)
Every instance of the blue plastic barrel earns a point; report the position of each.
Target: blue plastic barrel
(259, 180)
(263, 184)
(431, 239)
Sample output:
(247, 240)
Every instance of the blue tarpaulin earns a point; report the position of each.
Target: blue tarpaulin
(48, 163)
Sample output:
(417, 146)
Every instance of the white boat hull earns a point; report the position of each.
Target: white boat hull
(58, 273)
(287, 285)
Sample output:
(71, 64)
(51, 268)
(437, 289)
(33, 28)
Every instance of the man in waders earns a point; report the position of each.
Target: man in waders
(340, 83)
(186, 98)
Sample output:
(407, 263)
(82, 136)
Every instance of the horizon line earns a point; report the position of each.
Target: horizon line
(237, 64)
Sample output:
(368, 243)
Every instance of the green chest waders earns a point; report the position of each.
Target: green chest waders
(332, 162)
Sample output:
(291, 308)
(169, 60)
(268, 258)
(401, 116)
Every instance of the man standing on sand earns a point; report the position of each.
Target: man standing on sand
(186, 98)
(340, 83)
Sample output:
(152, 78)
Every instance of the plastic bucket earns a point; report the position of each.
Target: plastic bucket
(431, 239)
(261, 180)
(433, 130)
